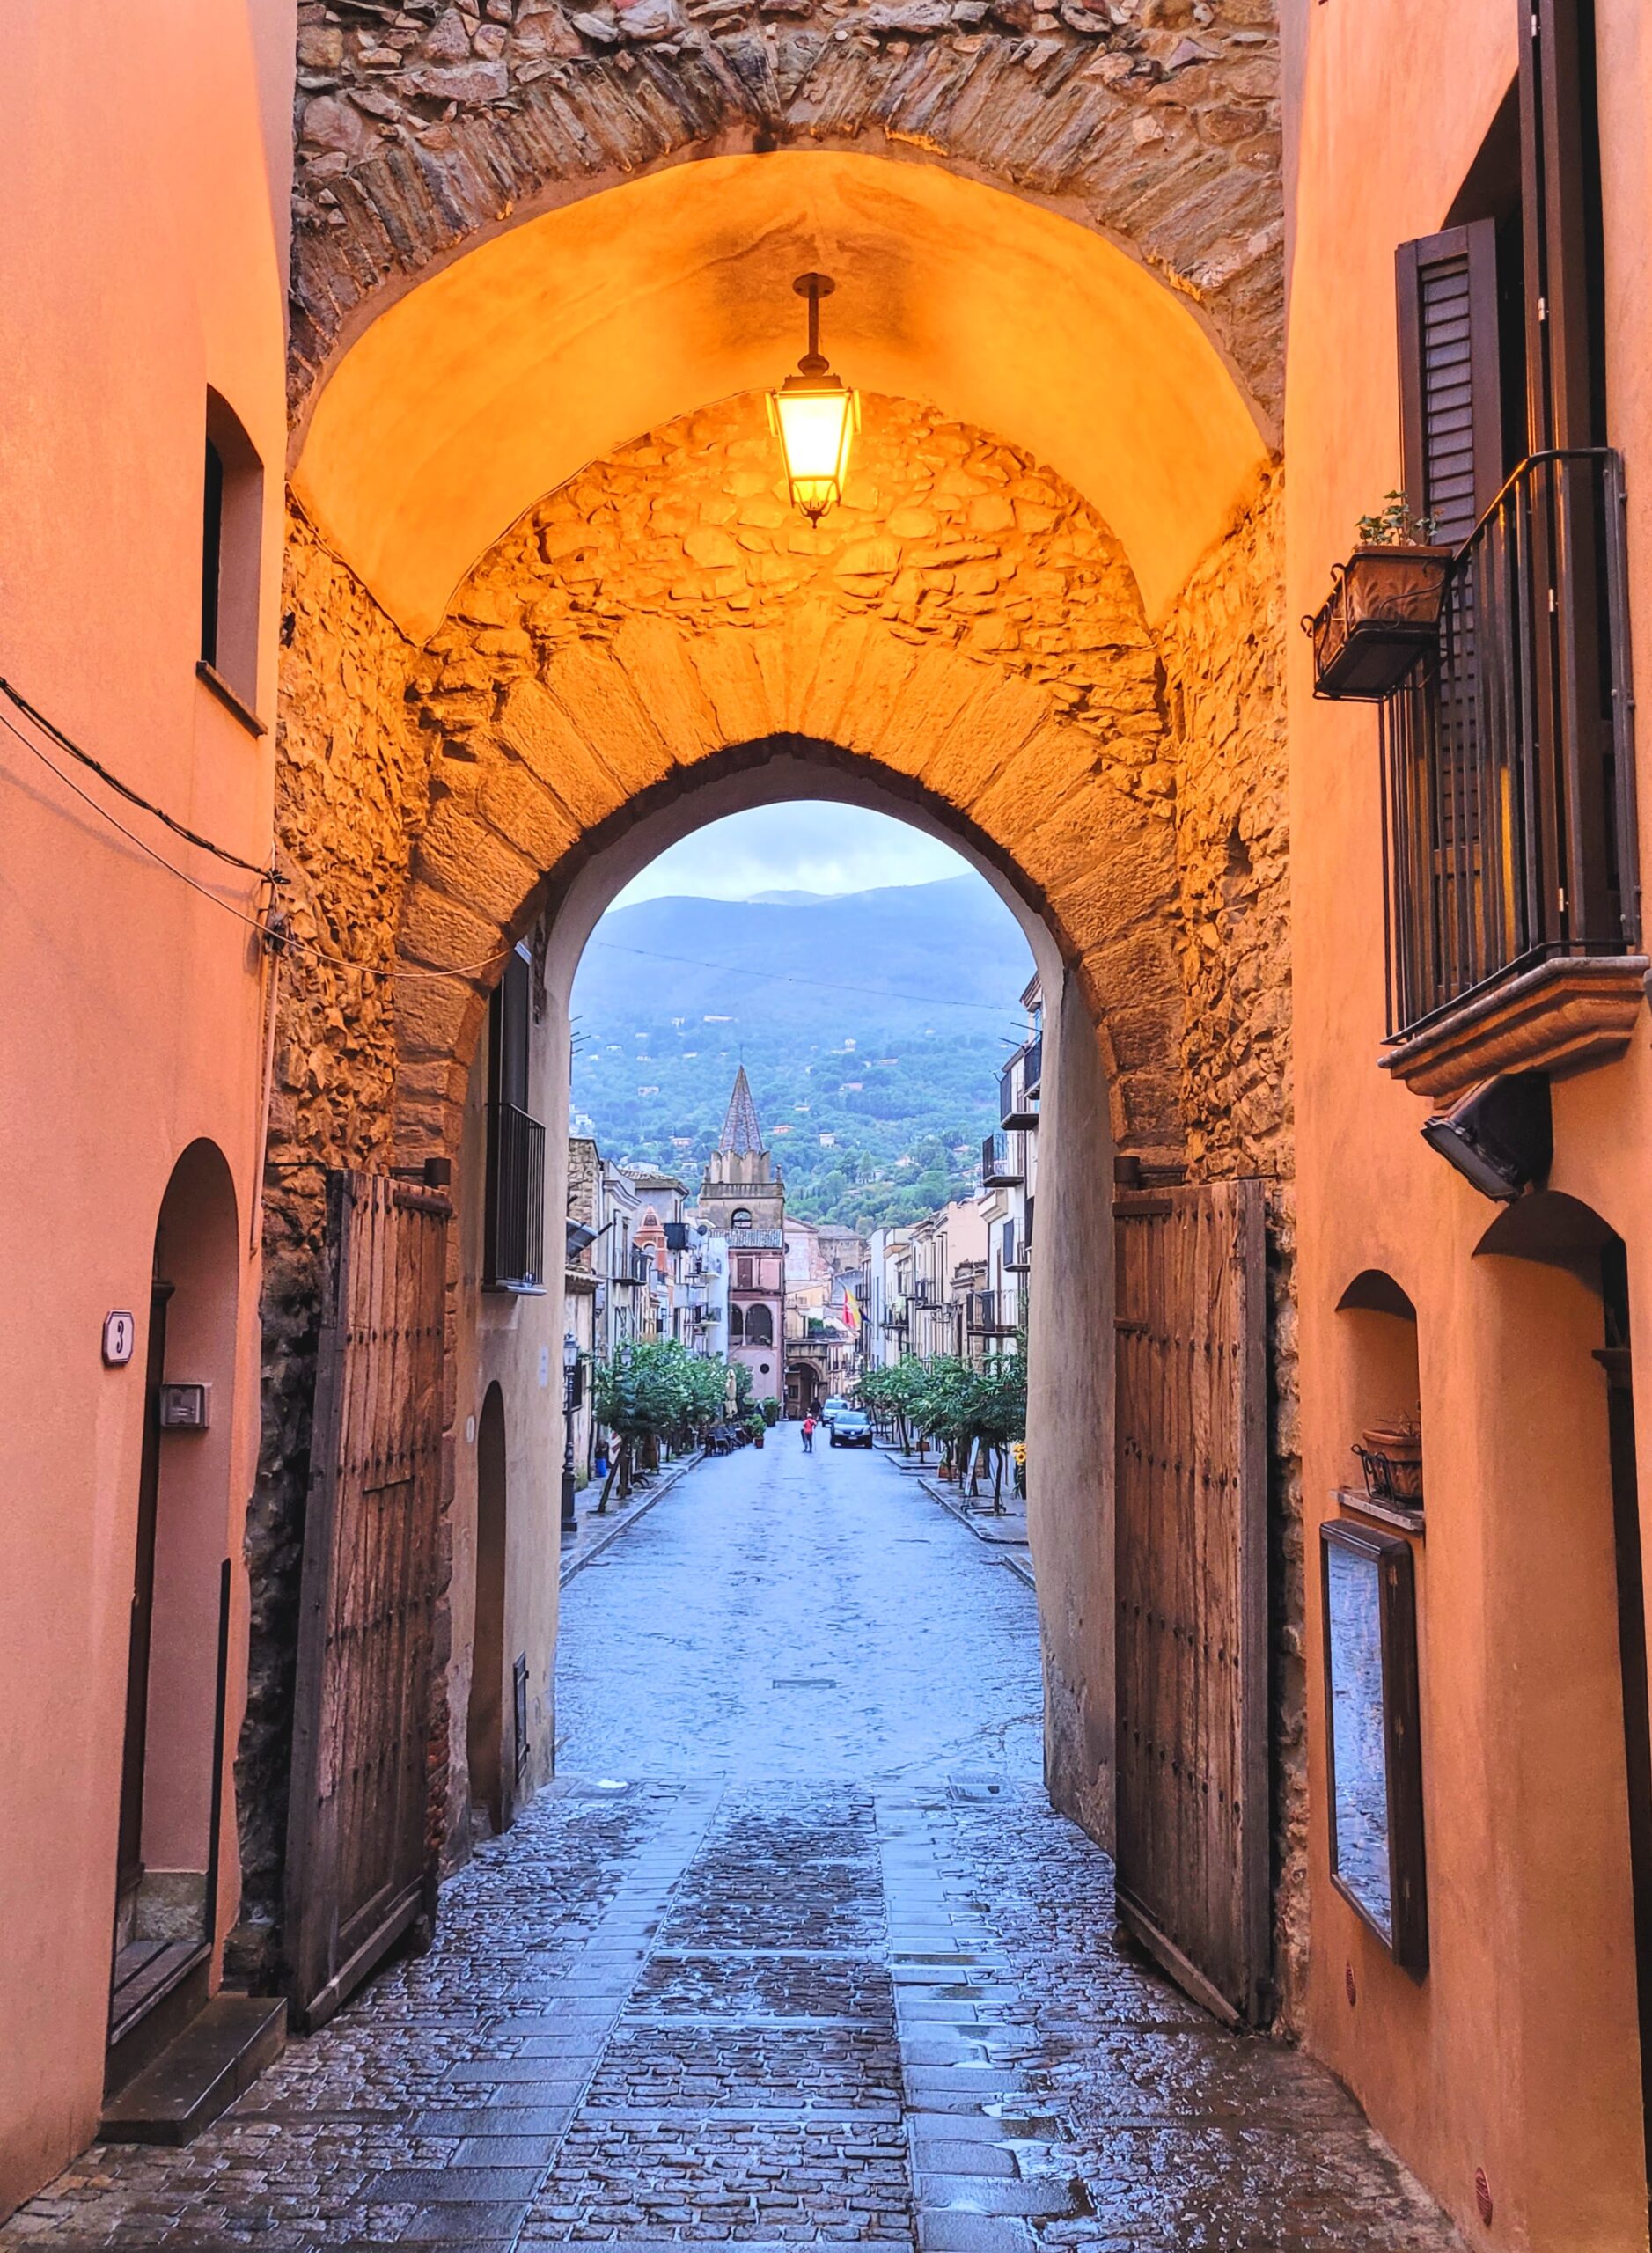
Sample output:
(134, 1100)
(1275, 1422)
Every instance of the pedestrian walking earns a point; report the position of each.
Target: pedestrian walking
(808, 1435)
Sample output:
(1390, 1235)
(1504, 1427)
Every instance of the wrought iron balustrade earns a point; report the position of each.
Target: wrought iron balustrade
(1032, 1066)
(1014, 1105)
(513, 1225)
(1000, 1169)
(1507, 753)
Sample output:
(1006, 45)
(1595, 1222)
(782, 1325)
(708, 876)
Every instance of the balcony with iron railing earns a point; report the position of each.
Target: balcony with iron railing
(1001, 1167)
(513, 1214)
(1015, 1108)
(1511, 900)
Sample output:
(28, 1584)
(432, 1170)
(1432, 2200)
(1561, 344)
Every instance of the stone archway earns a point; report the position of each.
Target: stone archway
(1076, 677)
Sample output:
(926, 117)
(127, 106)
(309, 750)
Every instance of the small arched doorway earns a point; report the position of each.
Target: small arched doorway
(485, 1722)
(166, 1914)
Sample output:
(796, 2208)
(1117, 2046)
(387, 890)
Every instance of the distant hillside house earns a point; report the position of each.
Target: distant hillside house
(828, 1142)
(649, 1088)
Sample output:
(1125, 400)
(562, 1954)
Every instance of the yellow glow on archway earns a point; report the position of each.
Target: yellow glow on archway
(494, 381)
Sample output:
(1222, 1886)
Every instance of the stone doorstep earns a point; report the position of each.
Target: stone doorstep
(216, 2058)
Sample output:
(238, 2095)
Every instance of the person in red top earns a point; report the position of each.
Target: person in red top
(808, 1435)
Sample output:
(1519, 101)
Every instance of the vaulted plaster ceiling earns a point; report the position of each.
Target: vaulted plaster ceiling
(494, 381)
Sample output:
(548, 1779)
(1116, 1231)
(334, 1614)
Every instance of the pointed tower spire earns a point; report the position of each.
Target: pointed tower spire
(741, 1135)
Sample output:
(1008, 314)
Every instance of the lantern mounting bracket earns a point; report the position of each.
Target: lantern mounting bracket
(814, 287)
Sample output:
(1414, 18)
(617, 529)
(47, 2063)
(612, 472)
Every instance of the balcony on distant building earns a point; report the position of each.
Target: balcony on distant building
(1000, 1167)
(1017, 1109)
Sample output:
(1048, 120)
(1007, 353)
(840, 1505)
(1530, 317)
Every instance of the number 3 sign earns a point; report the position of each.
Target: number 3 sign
(119, 1335)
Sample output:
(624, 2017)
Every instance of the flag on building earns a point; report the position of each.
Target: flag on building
(851, 1308)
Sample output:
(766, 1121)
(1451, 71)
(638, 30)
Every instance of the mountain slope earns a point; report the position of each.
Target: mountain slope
(876, 1020)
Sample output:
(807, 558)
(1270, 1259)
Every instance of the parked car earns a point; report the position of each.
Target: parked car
(834, 1408)
(849, 1428)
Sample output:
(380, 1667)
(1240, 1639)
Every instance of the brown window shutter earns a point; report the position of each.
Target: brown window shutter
(1450, 377)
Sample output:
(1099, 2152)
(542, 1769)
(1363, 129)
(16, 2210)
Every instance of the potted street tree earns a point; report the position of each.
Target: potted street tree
(1382, 612)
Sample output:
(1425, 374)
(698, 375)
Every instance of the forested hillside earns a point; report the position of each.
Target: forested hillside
(872, 1026)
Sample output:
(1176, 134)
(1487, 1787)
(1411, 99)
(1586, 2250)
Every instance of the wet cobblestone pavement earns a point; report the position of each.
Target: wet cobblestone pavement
(760, 1976)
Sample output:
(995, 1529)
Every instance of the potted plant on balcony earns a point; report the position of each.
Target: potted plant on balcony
(1382, 612)
(1391, 1458)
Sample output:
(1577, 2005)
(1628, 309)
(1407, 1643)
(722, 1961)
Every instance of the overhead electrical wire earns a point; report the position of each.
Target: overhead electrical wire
(273, 927)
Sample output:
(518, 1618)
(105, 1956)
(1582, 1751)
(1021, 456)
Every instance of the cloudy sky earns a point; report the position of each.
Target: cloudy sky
(805, 846)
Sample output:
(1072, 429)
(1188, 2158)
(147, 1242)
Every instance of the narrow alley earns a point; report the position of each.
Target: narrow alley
(793, 1950)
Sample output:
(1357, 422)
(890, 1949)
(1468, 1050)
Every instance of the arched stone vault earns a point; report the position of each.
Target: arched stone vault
(554, 343)
(426, 129)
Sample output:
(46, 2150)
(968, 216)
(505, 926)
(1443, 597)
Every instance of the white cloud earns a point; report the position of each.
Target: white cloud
(808, 846)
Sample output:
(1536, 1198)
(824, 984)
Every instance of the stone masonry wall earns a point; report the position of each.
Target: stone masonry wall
(349, 781)
(943, 533)
(422, 126)
(1222, 650)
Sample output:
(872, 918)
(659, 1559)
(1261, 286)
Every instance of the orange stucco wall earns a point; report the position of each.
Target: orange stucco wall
(141, 262)
(1517, 2054)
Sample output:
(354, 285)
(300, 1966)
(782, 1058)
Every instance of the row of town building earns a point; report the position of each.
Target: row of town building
(806, 1306)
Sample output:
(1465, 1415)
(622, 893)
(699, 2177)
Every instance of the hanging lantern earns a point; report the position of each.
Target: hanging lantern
(815, 416)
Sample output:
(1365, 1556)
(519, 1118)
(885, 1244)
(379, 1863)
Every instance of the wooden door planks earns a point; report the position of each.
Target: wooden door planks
(355, 1858)
(1192, 1587)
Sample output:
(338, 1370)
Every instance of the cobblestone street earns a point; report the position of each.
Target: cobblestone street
(794, 1951)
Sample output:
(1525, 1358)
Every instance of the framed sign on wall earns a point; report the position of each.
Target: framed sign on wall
(1372, 1739)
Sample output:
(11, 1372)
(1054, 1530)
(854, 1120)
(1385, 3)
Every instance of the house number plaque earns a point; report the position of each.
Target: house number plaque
(119, 1335)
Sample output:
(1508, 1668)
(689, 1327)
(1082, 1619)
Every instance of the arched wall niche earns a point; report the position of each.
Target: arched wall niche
(1379, 1363)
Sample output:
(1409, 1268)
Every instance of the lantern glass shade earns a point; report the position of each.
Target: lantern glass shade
(816, 418)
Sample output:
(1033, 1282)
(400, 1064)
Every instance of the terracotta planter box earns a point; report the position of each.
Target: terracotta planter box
(1383, 614)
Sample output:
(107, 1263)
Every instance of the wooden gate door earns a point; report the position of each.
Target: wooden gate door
(356, 1859)
(1192, 1587)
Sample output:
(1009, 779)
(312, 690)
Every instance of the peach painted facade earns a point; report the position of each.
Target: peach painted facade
(1516, 2056)
(142, 265)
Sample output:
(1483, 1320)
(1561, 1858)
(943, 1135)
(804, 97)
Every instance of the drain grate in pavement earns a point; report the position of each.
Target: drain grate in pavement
(974, 1783)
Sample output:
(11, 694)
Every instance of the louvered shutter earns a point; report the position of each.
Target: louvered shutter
(1450, 403)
